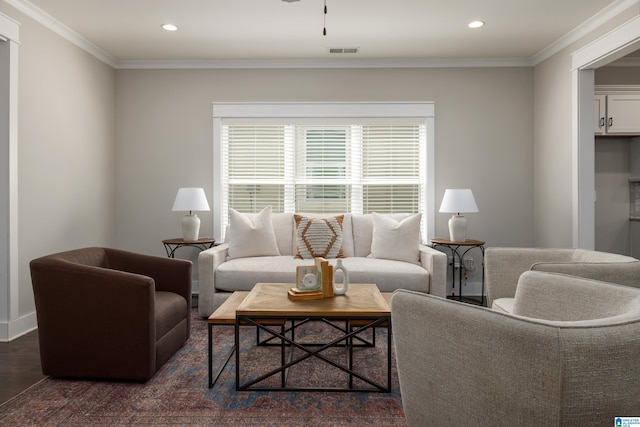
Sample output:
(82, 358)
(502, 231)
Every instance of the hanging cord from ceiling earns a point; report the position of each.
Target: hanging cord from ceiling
(324, 30)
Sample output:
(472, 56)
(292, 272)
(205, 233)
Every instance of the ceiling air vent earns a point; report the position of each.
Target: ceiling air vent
(343, 50)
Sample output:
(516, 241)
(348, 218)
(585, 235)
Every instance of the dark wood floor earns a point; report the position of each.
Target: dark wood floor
(19, 365)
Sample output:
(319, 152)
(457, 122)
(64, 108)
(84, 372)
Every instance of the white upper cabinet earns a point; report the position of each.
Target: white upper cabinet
(617, 110)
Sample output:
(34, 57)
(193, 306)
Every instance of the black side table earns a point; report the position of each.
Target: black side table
(457, 252)
(171, 245)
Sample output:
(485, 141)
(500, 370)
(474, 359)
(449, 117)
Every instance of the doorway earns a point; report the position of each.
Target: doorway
(611, 47)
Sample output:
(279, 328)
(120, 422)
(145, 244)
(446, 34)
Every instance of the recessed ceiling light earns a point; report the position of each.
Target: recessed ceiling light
(476, 24)
(170, 27)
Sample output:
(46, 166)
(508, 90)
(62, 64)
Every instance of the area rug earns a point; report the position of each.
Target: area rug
(179, 395)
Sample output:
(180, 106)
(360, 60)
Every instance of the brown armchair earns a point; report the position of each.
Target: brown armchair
(108, 313)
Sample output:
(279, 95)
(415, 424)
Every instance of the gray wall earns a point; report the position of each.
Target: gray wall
(617, 76)
(66, 154)
(483, 138)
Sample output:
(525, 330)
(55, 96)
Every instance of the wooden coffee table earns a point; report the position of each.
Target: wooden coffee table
(267, 304)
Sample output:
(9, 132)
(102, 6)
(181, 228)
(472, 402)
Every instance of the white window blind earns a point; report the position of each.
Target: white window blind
(324, 157)
(324, 168)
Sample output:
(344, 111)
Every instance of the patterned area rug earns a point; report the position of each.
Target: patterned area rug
(178, 394)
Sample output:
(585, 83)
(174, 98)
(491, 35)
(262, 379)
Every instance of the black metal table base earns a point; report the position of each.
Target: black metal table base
(212, 380)
(284, 338)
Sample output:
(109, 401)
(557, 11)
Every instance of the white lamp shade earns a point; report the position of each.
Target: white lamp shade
(191, 199)
(458, 200)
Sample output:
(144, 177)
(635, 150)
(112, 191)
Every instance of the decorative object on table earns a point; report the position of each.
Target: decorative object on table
(458, 201)
(315, 281)
(190, 199)
(340, 288)
(326, 274)
(308, 278)
(297, 295)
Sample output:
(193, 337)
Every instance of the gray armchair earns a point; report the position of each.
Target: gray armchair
(503, 267)
(108, 313)
(568, 356)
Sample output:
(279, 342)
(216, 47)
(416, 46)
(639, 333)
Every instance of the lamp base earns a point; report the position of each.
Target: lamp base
(190, 227)
(457, 228)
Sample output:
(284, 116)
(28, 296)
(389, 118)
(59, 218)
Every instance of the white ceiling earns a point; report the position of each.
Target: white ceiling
(125, 31)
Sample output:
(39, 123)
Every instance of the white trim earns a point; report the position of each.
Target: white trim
(18, 327)
(322, 109)
(584, 29)
(325, 63)
(616, 43)
(39, 15)
(608, 48)
(9, 283)
(9, 28)
(217, 182)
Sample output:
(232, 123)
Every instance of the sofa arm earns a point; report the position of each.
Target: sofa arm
(503, 267)
(435, 262)
(208, 261)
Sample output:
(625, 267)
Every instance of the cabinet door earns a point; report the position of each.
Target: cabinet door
(623, 114)
(599, 113)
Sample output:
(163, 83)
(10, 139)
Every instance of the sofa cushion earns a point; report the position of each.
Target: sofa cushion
(389, 275)
(319, 237)
(252, 234)
(170, 310)
(504, 305)
(283, 227)
(242, 274)
(363, 232)
(396, 239)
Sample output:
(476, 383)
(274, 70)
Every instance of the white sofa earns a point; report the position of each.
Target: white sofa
(220, 274)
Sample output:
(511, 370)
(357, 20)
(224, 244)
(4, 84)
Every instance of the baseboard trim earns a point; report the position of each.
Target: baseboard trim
(19, 327)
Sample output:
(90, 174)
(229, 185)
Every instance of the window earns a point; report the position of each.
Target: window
(323, 164)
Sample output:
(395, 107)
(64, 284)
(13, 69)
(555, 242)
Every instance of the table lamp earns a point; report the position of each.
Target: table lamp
(190, 199)
(456, 201)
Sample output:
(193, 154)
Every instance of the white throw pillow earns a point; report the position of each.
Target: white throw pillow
(397, 240)
(252, 234)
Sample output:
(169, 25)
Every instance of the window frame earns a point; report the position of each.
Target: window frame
(423, 111)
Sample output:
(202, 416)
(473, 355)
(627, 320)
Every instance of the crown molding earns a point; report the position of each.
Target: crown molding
(42, 17)
(325, 63)
(583, 29)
